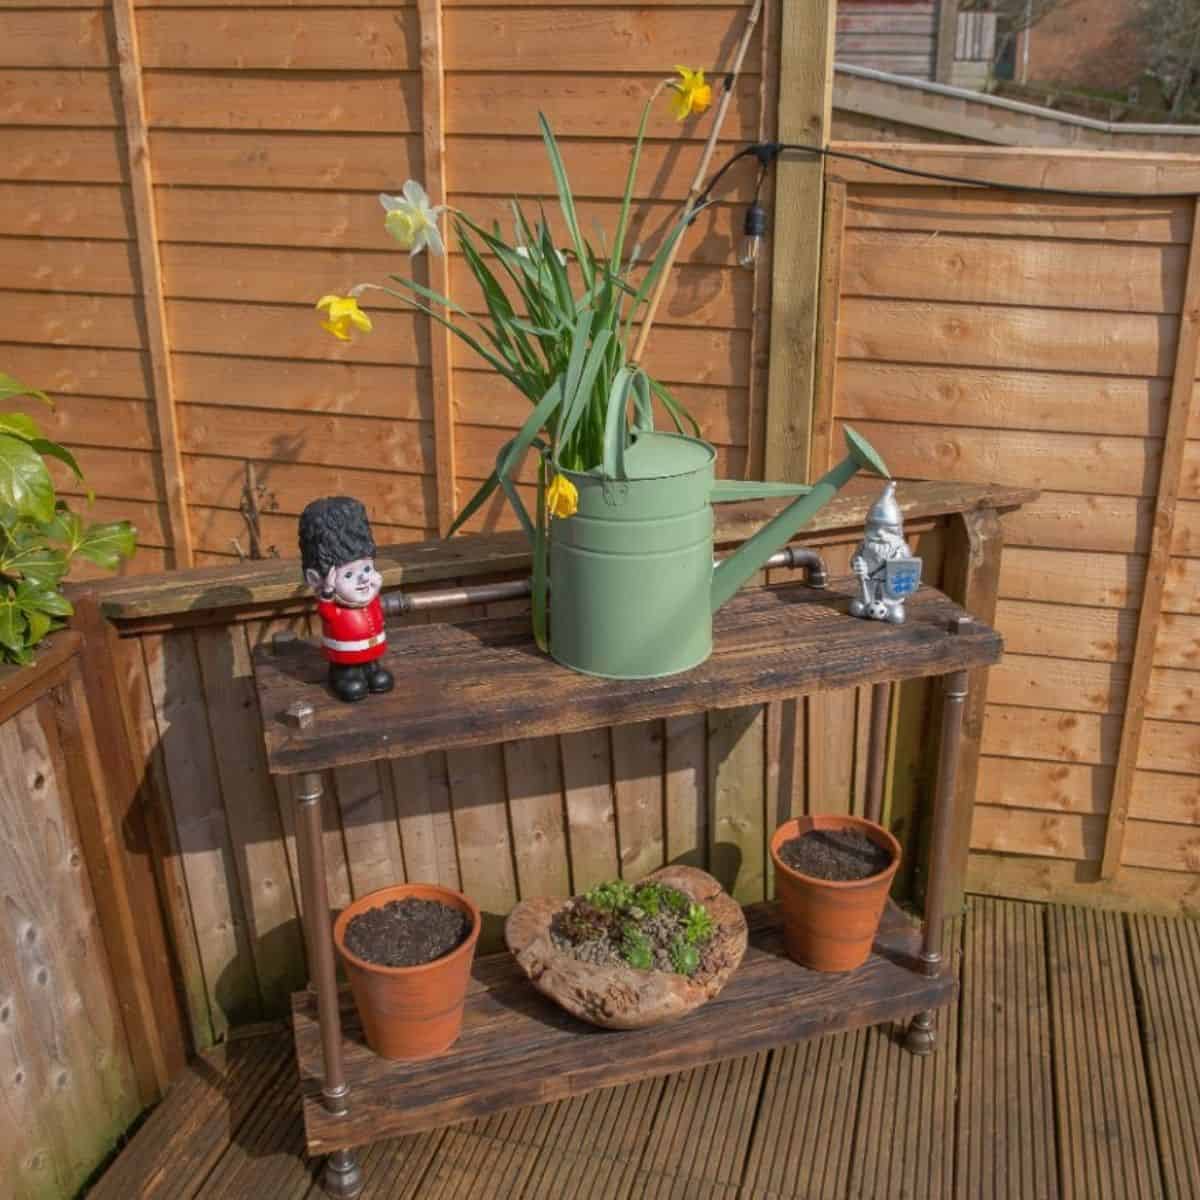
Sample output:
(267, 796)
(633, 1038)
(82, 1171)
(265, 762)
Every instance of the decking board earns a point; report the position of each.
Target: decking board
(1106, 1136)
(904, 1140)
(1006, 1139)
(1065, 1087)
(1166, 968)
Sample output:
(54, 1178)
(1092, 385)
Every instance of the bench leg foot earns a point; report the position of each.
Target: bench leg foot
(921, 1037)
(343, 1176)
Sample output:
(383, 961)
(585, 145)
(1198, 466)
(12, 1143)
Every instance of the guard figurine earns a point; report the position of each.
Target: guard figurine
(337, 553)
(886, 569)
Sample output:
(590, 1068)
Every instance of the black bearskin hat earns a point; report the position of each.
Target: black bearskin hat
(333, 531)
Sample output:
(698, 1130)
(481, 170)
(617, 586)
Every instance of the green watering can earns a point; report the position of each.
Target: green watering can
(633, 585)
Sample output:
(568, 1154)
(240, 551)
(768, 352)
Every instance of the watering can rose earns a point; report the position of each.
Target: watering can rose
(344, 316)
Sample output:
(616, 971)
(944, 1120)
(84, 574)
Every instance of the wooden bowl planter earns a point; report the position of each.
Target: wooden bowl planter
(410, 1012)
(620, 996)
(830, 925)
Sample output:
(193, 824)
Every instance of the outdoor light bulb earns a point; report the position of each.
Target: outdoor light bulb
(753, 230)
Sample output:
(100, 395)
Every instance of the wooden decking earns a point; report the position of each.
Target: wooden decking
(1068, 1070)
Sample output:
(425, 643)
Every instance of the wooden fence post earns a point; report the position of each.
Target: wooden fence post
(1183, 387)
(947, 38)
(433, 143)
(141, 182)
(805, 99)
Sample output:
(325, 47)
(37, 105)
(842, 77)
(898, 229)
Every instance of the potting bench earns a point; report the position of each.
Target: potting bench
(482, 682)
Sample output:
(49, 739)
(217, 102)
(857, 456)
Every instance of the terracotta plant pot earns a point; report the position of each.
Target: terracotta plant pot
(410, 1012)
(830, 925)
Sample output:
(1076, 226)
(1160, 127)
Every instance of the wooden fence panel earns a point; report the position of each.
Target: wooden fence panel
(993, 335)
(69, 1084)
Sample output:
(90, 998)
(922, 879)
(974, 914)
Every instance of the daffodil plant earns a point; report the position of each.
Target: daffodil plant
(559, 323)
(39, 534)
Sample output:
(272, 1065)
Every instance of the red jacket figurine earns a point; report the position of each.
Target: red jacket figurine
(338, 556)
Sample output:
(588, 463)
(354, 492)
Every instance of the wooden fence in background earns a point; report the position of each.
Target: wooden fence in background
(181, 182)
(89, 1031)
(1049, 342)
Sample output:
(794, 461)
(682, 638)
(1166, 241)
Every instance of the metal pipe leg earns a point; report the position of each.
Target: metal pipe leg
(343, 1175)
(310, 847)
(881, 695)
(921, 1034)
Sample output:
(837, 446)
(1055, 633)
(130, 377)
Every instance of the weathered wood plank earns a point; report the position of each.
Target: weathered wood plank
(1103, 1113)
(273, 581)
(769, 1000)
(1166, 963)
(1007, 1146)
(535, 808)
(590, 808)
(525, 695)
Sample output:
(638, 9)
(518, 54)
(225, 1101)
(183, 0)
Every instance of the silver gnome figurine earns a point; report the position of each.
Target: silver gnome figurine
(886, 569)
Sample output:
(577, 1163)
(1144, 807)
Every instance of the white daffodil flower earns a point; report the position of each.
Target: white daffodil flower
(412, 220)
(562, 258)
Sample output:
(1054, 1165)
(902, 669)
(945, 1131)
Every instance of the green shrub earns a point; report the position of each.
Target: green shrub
(39, 534)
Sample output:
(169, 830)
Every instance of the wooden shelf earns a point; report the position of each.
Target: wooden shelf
(519, 1048)
(481, 682)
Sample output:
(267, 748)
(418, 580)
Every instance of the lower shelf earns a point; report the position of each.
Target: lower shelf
(518, 1048)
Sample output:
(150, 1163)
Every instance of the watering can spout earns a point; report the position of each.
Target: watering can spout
(751, 556)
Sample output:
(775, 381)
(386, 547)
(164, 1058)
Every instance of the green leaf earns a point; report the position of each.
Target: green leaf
(51, 449)
(39, 625)
(19, 425)
(41, 566)
(677, 411)
(25, 483)
(106, 544)
(52, 602)
(575, 405)
(12, 625)
(541, 549)
(10, 387)
(643, 412)
(540, 415)
(615, 424)
(476, 502)
(565, 199)
(627, 198)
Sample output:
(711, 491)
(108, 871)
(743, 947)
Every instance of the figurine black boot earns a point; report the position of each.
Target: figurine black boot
(348, 683)
(379, 678)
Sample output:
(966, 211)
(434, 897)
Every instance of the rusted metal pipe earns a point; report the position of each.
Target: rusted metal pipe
(310, 846)
(796, 557)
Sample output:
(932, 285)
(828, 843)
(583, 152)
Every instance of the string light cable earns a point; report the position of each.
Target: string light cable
(755, 223)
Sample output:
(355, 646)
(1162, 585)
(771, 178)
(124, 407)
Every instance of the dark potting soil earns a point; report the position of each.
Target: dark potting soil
(837, 854)
(406, 933)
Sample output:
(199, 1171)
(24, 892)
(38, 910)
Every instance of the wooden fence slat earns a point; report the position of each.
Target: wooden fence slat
(687, 790)
(833, 220)
(737, 820)
(591, 809)
(153, 304)
(637, 754)
(1174, 444)
(535, 805)
(199, 817)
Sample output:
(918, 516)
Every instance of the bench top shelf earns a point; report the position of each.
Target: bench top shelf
(519, 1048)
(479, 682)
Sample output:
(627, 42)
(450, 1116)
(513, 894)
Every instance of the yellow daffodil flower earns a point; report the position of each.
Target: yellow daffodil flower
(562, 497)
(344, 315)
(692, 94)
(412, 220)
